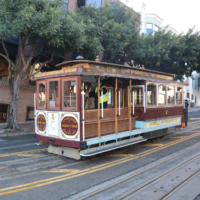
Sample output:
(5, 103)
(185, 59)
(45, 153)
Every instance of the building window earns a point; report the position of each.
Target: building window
(3, 70)
(156, 28)
(4, 110)
(30, 113)
(149, 28)
(96, 3)
(188, 95)
(151, 95)
(81, 3)
(192, 98)
(65, 5)
(162, 94)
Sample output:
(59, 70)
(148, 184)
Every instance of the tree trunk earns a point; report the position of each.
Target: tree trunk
(12, 118)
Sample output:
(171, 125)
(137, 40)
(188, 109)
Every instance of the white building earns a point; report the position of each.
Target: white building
(150, 21)
(192, 90)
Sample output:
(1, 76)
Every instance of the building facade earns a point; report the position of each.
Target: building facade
(192, 90)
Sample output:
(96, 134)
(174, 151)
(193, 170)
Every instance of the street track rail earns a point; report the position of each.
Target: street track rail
(141, 187)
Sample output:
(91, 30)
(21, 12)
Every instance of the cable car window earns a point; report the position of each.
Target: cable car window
(162, 94)
(179, 95)
(99, 67)
(110, 96)
(113, 69)
(138, 96)
(53, 94)
(69, 93)
(151, 95)
(170, 95)
(41, 95)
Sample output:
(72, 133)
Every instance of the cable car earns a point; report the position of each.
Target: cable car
(141, 104)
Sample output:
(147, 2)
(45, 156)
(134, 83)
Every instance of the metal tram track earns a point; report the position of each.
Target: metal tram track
(170, 192)
(151, 181)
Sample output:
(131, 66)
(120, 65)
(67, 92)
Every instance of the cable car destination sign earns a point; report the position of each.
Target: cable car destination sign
(86, 69)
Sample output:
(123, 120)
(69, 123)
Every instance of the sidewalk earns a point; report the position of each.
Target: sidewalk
(26, 128)
(194, 109)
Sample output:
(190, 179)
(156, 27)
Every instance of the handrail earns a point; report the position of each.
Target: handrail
(102, 104)
(83, 115)
(133, 103)
(119, 103)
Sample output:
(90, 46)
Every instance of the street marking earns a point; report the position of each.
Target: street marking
(56, 156)
(56, 179)
(194, 118)
(151, 145)
(121, 155)
(3, 167)
(23, 152)
(29, 155)
(72, 171)
(172, 137)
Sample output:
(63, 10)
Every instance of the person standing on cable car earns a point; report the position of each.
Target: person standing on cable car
(103, 99)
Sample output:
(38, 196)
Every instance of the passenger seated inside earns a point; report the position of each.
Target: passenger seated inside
(103, 99)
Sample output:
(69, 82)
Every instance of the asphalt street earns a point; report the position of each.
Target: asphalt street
(193, 116)
(28, 171)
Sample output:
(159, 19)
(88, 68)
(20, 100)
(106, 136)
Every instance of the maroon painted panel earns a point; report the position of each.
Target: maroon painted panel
(60, 142)
(139, 112)
(151, 113)
(161, 113)
(171, 111)
(179, 110)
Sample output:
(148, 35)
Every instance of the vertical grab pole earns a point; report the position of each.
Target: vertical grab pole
(130, 117)
(133, 103)
(83, 115)
(35, 110)
(70, 94)
(34, 105)
(102, 103)
(119, 103)
(99, 122)
(116, 120)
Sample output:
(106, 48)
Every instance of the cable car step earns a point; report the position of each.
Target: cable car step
(110, 147)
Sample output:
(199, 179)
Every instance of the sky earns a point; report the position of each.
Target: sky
(180, 14)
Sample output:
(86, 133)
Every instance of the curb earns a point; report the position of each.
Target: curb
(17, 133)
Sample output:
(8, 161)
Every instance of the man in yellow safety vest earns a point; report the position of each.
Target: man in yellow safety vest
(103, 98)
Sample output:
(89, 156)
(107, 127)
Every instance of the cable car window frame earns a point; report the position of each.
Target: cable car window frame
(181, 95)
(162, 104)
(59, 95)
(156, 95)
(64, 79)
(37, 94)
(174, 95)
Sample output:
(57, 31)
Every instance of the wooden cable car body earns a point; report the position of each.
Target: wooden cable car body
(142, 104)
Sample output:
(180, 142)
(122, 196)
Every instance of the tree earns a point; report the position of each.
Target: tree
(38, 24)
(167, 52)
(109, 29)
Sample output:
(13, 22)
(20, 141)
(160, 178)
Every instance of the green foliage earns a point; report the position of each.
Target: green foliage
(168, 52)
(108, 29)
(41, 23)
(6, 131)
